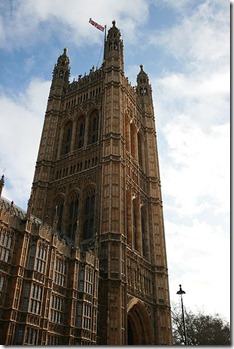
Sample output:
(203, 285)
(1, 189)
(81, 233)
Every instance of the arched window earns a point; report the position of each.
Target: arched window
(139, 149)
(134, 223)
(140, 143)
(129, 217)
(80, 131)
(133, 140)
(67, 133)
(72, 217)
(127, 133)
(93, 128)
(31, 257)
(89, 208)
(59, 210)
(144, 231)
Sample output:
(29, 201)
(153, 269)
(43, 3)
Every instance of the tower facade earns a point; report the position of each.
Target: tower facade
(97, 186)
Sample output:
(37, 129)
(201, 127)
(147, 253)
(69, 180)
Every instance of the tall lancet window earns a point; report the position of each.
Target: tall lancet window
(67, 134)
(140, 150)
(134, 223)
(59, 210)
(88, 227)
(144, 231)
(129, 217)
(93, 128)
(133, 140)
(80, 131)
(72, 218)
(127, 133)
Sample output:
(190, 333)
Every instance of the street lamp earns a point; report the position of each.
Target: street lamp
(181, 292)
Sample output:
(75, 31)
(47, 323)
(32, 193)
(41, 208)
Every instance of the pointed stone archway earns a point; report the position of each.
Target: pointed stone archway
(139, 324)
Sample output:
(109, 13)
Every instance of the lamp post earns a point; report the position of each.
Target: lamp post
(181, 292)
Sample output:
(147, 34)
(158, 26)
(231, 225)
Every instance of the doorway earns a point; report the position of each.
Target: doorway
(139, 325)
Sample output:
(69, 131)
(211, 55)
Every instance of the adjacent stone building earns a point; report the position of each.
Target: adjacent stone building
(86, 264)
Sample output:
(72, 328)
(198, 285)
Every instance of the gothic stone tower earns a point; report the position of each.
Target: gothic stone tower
(97, 179)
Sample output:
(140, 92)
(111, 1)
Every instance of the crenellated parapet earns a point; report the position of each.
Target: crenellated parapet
(84, 81)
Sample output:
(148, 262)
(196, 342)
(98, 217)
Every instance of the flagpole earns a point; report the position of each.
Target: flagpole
(105, 33)
(104, 42)
(100, 27)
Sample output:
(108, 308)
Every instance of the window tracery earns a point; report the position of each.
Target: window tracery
(80, 132)
(31, 335)
(144, 231)
(93, 128)
(56, 309)
(73, 217)
(59, 212)
(36, 299)
(88, 226)
(134, 221)
(41, 257)
(133, 140)
(5, 245)
(140, 150)
(127, 133)
(66, 143)
(60, 271)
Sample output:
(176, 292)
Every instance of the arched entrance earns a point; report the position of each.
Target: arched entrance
(139, 324)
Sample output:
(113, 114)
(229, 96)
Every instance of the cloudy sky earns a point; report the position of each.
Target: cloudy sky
(184, 47)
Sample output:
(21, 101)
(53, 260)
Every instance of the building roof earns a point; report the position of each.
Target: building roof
(16, 210)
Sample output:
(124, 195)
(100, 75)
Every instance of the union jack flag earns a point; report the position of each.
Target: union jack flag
(95, 24)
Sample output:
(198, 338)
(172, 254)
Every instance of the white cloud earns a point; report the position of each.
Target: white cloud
(198, 169)
(197, 82)
(193, 86)
(198, 258)
(178, 5)
(22, 117)
(192, 112)
(28, 18)
(192, 119)
(200, 38)
(204, 99)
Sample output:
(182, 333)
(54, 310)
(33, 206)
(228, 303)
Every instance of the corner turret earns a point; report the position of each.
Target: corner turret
(113, 53)
(61, 74)
(144, 95)
(143, 85)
